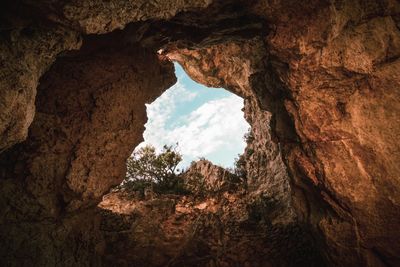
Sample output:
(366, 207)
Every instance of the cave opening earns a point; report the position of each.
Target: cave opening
(319, 88)
(202, 122)
(189, 126)
(91, 112)
(170, 227)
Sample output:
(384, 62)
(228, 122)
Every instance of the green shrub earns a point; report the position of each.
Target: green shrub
(146, 168)
(239, 168)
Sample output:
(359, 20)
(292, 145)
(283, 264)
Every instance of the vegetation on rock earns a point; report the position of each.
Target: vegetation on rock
(159, 171)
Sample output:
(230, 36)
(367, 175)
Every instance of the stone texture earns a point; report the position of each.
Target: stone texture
(35, 32)
(203, 177)
(101, 17)
(237, 66)
(90, 115)
(345, 118)
(217, 227)
(25, 54)
(342, 144)
(96, 16)
(320, 83)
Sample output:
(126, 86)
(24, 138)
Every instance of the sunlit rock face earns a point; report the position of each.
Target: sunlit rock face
(240, 68)
(331, 69)
(341, 65)
(320, 81)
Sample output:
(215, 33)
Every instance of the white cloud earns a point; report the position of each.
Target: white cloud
(160, 113)
(215, 126)
(163, 107)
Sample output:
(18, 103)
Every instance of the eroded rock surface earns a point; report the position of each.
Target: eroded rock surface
(240, 68)
(25, 55)
(320, 81)
(90, 113)
(342, 71)
(217, 224)
(335, 79)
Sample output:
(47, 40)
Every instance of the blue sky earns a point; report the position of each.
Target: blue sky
(206, 122)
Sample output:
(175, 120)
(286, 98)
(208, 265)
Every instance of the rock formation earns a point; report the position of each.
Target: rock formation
(320, 83)
(216, 224)
(90, 113)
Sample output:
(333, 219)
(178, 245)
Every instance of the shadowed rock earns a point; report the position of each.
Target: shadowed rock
(320, 81)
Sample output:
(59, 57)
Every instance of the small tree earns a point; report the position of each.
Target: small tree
(146, 168)
(240, 166)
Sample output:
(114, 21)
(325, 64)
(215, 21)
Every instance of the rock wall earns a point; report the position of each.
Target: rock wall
(205, 177)
(26, 53)
(340, 66)
(90, 114)
(329, 103)
(237, 67)
(319, 79)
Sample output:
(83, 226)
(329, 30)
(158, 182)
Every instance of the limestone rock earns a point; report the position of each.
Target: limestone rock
(319, 79)
(240, 65)
(207, 178)
(25, 54)
(97, 16)
(90, 114)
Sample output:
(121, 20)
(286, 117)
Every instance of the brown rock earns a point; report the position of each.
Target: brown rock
(86, 124)
(319, 79)
(25, 55)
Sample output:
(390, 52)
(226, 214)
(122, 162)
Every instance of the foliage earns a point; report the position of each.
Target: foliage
(147, 169)
(262, 208)
(240, 166)
(248, 137)
(195, 182)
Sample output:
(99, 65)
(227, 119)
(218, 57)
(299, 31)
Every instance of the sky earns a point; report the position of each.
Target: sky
(205, 122)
